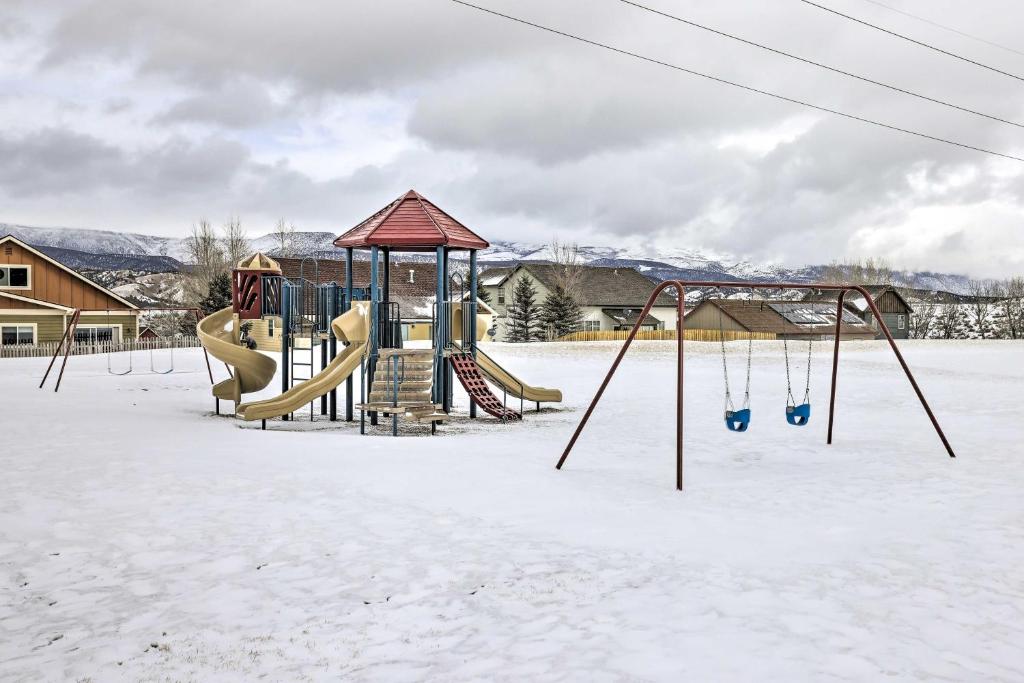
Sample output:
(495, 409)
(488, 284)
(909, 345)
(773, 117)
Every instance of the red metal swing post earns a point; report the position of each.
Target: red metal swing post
(680, 287)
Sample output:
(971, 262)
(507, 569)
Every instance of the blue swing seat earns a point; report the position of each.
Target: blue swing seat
(798, 415)
(737, 420)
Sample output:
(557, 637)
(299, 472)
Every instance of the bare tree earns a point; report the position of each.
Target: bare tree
(1011, 306)
(284, 233)
(981, 306)
(922, 322)
(949, 321)
(206, 257)
(568, 270)
(870, 271)
(234, 241)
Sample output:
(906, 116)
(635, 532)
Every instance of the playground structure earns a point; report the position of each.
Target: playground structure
(412, 384)
(734, 420)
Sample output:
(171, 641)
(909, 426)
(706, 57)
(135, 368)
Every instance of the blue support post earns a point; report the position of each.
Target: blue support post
(439, 338)
(333, 307)
(346, 307)
(386, 298)
(286, 334)
(472, 318)
(449, 378)
(374, 322)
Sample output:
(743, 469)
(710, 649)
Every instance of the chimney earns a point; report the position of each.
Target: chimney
(412, 276)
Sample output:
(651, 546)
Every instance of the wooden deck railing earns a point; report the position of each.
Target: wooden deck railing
(47, 349)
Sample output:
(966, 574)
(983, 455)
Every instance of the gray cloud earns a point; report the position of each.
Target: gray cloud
(234, 105)
(260, 107)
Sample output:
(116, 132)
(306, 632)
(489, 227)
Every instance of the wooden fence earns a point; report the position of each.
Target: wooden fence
(47, 349)
(665, 335)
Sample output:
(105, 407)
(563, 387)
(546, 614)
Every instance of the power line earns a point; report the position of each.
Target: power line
(819, 64)
(912, 40)
(936, 24)
(748, 88)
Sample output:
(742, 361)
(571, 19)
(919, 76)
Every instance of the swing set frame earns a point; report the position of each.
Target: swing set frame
(67, 342)
(680, 287)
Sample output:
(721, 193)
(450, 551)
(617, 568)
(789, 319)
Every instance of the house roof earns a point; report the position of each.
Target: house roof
(407, 278)
(856, 300)
(812, 313)
(777, 317)
(411, 222)
(413, 284)
(599, 286)
(36, 252)
(37, 302)
(629, 316)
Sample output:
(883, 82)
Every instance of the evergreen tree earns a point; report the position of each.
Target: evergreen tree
(524, 321)
(560, 313)
(482, 294)
(218, 294)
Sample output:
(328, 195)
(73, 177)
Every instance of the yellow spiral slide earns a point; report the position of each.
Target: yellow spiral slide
(251, 370)
(351, 326)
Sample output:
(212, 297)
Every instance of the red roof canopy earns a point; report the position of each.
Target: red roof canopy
(411, 222)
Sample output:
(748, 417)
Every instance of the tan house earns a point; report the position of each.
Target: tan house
(38, 296)
(784, 319)
(610, 298)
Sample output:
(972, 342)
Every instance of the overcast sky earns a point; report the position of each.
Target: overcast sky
(146, 116)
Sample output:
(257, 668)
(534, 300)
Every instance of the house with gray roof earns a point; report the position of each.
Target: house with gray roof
(895, 309)
(610, 298)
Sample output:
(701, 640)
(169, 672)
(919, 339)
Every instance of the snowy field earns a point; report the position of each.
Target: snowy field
(144, 538)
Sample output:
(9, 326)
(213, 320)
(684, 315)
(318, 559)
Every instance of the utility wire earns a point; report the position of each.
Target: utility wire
(912, 40)
(819, 64)
(936, 24)
(748, 88)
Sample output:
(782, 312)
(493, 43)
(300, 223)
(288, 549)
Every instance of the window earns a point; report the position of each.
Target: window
(14, 277)
(501, 295)
(591, 325)
(901, 322)
(11, 335)
(96, 335)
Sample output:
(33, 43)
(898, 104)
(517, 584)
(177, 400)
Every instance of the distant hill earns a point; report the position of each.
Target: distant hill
(81, 260)
(109, 250)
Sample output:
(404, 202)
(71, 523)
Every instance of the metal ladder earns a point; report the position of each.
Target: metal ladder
(300, 364)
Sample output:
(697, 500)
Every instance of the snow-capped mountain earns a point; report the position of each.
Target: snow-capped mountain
(110, 250)
(98, 241)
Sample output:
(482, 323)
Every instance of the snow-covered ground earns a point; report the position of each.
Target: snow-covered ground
(144, 538)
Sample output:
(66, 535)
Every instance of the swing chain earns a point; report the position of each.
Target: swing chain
(750, 353)
(807, 386)
(729, 407)
(790, 401)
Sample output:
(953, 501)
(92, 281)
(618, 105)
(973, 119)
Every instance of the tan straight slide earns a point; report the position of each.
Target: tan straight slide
(251, 370)
(497, 374)
(351, 326)
(512, 384)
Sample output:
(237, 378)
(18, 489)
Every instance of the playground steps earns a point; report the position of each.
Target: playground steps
(416, 370)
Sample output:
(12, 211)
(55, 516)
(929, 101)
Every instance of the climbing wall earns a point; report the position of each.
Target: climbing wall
(468, 372)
